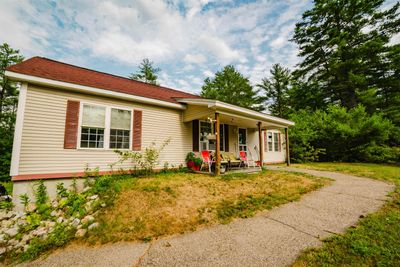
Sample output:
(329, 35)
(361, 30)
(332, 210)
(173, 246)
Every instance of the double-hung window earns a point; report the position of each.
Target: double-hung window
(210, 144)
(273, 141)
(277, 146)
(93, 126)
(120, 128)
(105, 127)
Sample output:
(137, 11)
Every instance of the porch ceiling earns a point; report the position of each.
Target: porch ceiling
(201, 109)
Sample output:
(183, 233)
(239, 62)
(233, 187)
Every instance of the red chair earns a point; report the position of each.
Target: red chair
(206, 157)
(243, 158)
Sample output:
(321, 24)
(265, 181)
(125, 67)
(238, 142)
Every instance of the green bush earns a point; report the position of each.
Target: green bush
(380, 154)
(338, 134)
(144, 161)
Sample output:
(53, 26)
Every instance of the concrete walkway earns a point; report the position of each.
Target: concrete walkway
(272, 238)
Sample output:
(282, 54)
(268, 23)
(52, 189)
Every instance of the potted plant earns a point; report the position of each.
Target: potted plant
(190, 160)
(197, 163)
(193, 162)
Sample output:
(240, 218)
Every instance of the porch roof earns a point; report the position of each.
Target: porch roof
(230, 113)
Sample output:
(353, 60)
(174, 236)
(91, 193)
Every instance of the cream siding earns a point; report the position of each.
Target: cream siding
(43, 133)
(194, 112)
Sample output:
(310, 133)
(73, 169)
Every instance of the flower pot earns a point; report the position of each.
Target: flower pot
(223, 169)
(196, 168)
(190, 164)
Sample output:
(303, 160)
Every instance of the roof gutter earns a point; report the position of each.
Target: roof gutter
(89, 90)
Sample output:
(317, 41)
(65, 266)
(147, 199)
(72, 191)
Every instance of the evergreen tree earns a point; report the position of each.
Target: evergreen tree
(276, 90)
(146, 72)
(232, 87)
(345, 46)
(8, 93)
(8, 107)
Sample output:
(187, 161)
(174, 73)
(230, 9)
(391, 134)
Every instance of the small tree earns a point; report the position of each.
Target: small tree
(146, 72)
(276, 90)
(232, 87)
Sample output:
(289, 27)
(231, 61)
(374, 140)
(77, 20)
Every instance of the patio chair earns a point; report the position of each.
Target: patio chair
(258, 162)
(250, 160)
(233, 161)
(243, 158)
(205, 155)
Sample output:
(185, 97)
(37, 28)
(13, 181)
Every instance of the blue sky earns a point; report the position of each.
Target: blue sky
(189, 40)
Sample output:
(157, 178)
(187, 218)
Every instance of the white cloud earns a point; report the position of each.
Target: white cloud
(208, 73)
(220, 49)
(187, 37)
(195, 58)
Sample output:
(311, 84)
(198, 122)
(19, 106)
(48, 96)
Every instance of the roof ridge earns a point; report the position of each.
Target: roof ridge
(110, 74)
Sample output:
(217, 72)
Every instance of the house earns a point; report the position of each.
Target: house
(69, 117)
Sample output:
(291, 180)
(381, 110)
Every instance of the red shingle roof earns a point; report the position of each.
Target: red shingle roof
(54, 70)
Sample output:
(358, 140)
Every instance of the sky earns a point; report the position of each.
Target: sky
(189, 40)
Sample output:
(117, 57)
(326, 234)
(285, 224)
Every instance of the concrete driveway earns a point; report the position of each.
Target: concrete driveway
(272, 238)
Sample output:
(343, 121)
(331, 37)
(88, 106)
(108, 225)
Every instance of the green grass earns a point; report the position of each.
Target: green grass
(376, 239)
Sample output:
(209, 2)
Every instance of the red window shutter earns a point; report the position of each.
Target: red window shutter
(195, 135)
(71, 124)
(137, 130)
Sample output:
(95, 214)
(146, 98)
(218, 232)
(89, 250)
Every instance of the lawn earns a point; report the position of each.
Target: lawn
(375, 241)
(175, 203)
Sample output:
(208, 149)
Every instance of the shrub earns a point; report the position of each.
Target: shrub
(24, 199)
(144, 160)
(380, 154)
(41, 193)
(338, 134)
(61, 191)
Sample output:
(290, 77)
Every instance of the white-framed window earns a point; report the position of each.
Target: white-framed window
(242, 139)
(274, 141)
(210, 144)
(92, 126)
(277, 146)
(120, 128)
(269, 139)
(105, 127)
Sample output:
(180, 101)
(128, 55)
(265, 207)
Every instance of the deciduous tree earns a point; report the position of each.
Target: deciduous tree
(232, 87)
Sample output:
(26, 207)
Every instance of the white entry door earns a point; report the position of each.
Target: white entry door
(242, 136)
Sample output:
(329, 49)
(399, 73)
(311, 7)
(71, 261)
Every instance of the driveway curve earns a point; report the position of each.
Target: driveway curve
(272, 238)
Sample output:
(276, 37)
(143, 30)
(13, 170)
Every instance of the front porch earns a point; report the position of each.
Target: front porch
(236, 171)
(226, 130)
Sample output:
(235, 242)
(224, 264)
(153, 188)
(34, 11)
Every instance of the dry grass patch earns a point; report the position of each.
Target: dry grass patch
(167, 204)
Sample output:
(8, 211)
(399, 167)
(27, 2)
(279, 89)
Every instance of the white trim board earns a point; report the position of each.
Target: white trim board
(90, 90)
(16, 150)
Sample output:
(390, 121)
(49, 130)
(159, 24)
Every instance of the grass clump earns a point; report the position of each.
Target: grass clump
(375, 240)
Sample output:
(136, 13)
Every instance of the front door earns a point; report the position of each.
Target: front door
(242, 136)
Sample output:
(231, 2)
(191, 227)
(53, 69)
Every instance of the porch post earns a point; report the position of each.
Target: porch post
(217, 149)
(287, 146)
(260, 146)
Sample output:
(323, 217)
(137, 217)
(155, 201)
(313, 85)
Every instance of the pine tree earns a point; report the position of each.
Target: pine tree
(8, 108)
(276, 90)
(146, 72)
(345, 44)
